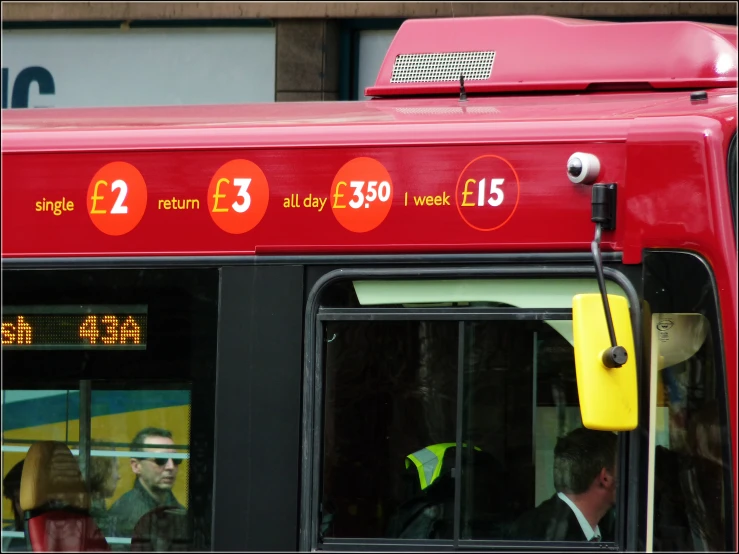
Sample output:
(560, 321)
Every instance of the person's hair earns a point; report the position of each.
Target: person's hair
(139, 441)
(101, 468)
(12, 481)
(580, 456)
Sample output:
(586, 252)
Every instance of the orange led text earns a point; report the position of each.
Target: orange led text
(107, 329)
(19, 332)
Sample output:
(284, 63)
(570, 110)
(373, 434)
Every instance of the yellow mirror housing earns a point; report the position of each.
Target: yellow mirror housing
(608, 397)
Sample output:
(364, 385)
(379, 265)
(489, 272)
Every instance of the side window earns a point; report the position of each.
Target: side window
(451, 412)
(692, 501)
(114, 369)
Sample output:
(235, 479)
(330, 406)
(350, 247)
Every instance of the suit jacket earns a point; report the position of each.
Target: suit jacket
(552, 520)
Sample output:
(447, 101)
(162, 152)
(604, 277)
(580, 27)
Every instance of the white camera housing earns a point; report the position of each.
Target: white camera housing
(583, 168)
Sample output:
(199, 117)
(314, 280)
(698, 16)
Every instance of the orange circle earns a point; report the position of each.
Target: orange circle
(487, 170)
(116, 198)
(361, 194)
(238, 196)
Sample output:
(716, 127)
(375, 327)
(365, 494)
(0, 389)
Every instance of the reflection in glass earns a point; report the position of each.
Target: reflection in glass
(692, 500)
(390, 392)
(390, 426)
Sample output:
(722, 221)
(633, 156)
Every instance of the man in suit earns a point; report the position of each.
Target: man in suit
(585, 480)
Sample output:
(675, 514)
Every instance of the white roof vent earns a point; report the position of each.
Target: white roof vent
(447, 66)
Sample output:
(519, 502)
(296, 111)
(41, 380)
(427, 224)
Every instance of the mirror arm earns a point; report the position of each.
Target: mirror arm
(604, 208)
(595, 249)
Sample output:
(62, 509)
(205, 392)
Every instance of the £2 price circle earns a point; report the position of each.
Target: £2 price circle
(487, 193)
(116, 198)
(238, 196)
(361, 194)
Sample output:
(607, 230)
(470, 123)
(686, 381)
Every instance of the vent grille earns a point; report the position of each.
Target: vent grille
(425, 68)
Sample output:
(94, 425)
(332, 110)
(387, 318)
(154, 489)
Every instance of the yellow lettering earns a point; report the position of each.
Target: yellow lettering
(130, 330)
(95, 198)
(111, 326)
(216, 196)
(8, 334)
(437, 200)
(23, 330)
(89, 329)
(337, 196)
(466, 193)
(195, 204)
(56, 207)
(446, 200)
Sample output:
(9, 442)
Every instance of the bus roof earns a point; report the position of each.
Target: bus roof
(525, 53)
(304, 124)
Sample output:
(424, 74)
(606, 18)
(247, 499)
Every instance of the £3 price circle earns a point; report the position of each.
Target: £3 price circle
(361, 194)
(487, 193)
(238, 196)
(116, 198)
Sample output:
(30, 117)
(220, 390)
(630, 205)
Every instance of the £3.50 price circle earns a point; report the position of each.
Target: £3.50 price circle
(238, 196)
(361, 194)
(487, 193)
(116, 198)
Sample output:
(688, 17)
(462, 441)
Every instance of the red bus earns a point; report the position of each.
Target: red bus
(300, 301)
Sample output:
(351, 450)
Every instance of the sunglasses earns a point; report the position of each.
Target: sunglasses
(163, 461)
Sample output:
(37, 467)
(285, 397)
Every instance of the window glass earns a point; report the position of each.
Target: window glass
(531, 293)
(117, 473)
(127, 408)
(520, 396)
(691, 476)
(390, 391)
(408, 400)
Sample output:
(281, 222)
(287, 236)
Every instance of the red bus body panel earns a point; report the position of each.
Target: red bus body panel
(666, 153)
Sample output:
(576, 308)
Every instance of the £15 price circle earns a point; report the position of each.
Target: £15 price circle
(487, 193)
(238, 196)
(361, 194)
(116, 198)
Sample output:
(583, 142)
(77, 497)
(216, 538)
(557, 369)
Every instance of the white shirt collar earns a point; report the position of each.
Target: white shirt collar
(586, 528)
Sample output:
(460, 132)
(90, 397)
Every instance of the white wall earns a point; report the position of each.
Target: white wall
(139, 67)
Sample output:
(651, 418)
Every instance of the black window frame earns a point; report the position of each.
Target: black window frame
(311, 423)
(731, 166)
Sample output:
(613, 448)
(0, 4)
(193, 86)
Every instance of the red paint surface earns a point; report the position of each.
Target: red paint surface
(548, 201)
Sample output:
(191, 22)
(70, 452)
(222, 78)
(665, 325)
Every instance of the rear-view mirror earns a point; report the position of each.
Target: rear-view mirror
(608, 396)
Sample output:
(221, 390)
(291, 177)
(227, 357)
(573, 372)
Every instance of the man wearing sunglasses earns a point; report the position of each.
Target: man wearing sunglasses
(156, 474)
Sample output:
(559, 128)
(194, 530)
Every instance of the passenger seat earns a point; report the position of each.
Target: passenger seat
(55, 502)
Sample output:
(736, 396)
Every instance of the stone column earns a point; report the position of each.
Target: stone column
(307, 60)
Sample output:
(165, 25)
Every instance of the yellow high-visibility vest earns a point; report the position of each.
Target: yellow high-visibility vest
(428, 461)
